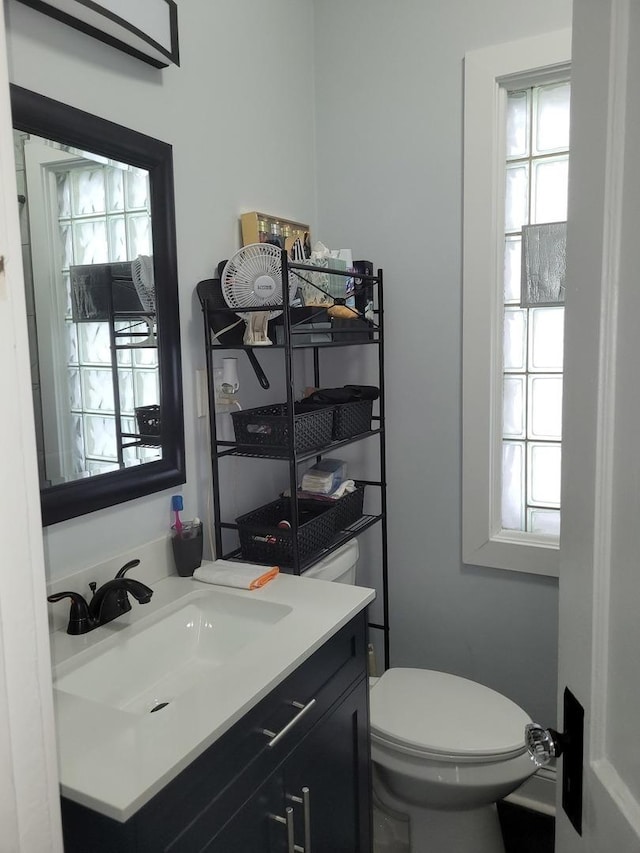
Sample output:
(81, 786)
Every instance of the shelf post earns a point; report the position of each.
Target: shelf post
(383, 473)
(291, 402)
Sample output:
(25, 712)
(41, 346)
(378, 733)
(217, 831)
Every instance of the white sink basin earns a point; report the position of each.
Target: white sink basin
(148, 665)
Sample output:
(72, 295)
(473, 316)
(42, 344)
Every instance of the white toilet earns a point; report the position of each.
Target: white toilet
(444, 748)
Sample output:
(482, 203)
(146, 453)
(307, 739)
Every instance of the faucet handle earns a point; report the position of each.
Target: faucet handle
(79, 619)
(130, 565)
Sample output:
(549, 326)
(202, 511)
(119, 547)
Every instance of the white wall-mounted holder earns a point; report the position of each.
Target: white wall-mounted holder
(225, 391)
(146, 29)
(230, 383)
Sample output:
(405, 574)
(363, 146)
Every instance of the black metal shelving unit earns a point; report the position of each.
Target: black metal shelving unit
(134, 339)
(221, 449)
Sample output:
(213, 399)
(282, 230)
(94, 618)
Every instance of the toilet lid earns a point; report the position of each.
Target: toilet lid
(440, 713)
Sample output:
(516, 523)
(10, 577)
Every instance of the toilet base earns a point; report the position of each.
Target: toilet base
(390, 829)
(439, 831)
(390, 835)
(474, 831)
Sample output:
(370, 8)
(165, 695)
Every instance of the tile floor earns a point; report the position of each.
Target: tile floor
(523, 830)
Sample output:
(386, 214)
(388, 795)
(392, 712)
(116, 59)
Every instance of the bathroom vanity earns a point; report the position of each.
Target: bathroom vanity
(285, 763)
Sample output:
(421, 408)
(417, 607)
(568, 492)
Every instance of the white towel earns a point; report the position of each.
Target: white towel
(238, 575)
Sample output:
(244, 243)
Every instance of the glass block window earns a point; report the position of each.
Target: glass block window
(103, 213)
(536, 182)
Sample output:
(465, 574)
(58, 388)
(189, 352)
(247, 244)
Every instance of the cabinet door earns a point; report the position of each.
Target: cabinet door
(331, 771)
(255, 828)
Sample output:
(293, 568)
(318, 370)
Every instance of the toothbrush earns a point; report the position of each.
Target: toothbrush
(177, 504)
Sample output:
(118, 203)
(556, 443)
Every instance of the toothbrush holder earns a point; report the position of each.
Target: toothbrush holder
(187, 549)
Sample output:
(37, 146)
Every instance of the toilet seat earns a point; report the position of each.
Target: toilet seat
(443, 717)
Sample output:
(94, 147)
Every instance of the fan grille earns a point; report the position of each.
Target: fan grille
(252, 278)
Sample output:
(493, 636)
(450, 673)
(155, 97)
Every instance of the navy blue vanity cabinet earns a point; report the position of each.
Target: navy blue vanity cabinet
(324, 772)
(304, 747)
(324, 782)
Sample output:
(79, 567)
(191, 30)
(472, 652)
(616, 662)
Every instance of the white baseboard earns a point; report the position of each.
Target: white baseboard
(538, 793)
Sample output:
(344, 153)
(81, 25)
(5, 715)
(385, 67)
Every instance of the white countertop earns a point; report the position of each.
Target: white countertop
(114, 761)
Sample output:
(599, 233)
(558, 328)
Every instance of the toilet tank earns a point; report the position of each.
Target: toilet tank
(339, 566)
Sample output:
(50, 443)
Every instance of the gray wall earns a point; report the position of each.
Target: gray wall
(389, 101)
(386, 153)
(222, 111)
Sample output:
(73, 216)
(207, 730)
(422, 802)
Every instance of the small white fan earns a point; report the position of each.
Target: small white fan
(252, 278)
(144, 283)
(143, 280)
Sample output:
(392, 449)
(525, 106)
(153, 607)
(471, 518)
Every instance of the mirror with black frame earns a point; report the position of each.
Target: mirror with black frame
(98, 233)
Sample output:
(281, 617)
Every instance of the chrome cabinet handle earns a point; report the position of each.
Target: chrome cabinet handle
(305, 801)
(277, 737)
(287, 820)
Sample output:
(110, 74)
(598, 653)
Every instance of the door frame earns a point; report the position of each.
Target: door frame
(596, 283)
(29, 795)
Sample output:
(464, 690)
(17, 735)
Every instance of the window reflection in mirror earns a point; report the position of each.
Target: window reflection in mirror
(98, 209)
(88, 259)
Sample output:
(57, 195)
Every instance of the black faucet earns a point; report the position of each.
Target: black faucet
(106, 604)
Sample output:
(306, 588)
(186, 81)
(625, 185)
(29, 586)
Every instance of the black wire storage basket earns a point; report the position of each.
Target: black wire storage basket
(149, 419)
(349, 508)
(351, 419)
(267, 428)
(263, 540)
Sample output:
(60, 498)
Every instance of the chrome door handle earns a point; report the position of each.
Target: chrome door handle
(277, 737)
(543, 744)
(305, 801)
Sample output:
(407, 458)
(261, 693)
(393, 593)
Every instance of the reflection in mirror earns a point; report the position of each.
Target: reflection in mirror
(102, 319)
(89, 277)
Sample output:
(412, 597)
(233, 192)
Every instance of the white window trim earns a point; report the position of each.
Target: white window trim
(484, 543)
